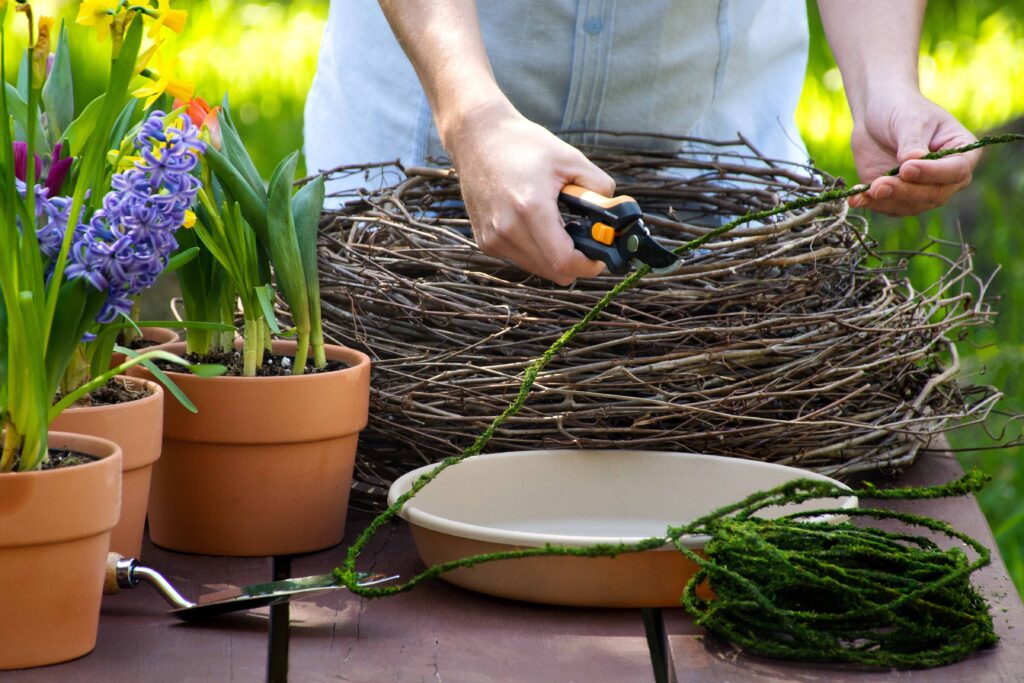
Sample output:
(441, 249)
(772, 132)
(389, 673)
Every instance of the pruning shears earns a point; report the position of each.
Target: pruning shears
(612, 230)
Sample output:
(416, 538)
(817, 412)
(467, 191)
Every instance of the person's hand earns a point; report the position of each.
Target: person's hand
(511, 171)
(897, 127)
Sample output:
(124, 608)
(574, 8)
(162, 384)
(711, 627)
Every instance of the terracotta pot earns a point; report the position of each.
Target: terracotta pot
(54, 536)
(137, 427)
(159, 335)
(265, 466)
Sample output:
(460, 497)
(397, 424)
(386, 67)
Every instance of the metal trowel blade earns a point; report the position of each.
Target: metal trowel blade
(239, 598)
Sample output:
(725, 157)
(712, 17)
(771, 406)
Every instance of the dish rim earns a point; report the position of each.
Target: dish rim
(478, 532)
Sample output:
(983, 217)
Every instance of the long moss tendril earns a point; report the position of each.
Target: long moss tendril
(789, 587)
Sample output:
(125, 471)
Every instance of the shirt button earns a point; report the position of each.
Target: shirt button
(593, 25)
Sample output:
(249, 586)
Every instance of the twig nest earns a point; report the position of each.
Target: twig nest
(786, 341)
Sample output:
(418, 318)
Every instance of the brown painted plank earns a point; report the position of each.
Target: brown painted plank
(698, 658)
(138, 641)
(439, 632)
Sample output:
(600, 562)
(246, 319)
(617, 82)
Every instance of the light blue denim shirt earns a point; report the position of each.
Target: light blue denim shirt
(701, 68)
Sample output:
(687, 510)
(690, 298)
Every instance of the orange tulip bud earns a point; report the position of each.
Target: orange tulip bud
(205, 117)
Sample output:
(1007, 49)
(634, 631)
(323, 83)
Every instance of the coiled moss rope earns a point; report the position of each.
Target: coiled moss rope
(813, 591)
(904, 602)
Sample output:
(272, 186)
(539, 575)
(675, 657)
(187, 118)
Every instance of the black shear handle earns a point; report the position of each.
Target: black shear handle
(597, 235)
(592, 249)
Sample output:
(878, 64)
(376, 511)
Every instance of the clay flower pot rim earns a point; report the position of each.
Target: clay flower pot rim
(155, 389)
(98, 448)
(360, 358)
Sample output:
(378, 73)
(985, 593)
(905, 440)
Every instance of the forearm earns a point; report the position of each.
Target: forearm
(875, 42)
(442, 40)
(510, 169)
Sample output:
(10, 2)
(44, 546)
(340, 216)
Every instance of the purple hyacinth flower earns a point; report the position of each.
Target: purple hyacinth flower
(127, 243)
(152, 129)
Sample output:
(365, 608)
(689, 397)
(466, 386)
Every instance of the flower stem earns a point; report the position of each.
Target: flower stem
(12, 441)
(252, 346)
(129, 335)
(301, 354)
(77, 372)
(317, 342)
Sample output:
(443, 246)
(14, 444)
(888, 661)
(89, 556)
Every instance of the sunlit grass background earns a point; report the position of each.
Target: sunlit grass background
(263, 53)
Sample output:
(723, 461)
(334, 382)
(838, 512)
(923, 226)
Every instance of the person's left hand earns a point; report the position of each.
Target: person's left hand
(899, 126)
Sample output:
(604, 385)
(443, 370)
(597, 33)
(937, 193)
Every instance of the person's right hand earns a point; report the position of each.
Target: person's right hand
(511, 171)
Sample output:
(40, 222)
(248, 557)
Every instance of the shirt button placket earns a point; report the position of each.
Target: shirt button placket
(589, 68)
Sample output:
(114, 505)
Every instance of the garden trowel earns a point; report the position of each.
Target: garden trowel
(125, 572)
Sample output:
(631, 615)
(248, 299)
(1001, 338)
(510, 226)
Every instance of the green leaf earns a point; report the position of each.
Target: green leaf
(180, 259)
(208, 370)
(18, 109)
(3, 356)
(22, 81)
(194, 275)
(237, 153)
(134, 357)
(77, 306)
(82, 128)
(123, 123)
(265, 294)
(101, 349)
(58, 91)
(121, 74)
(252, 202)
(186, 325)
(307, 205)
(204, 285)
(35, 395)
(216, 246)
(284, 245)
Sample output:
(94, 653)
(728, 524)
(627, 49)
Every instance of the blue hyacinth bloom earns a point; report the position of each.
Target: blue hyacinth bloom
(126, 244)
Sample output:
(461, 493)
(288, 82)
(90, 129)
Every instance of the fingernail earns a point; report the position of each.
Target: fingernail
(910, 173)
(857, 201)
(884, 192)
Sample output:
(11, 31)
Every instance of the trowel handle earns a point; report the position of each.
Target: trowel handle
(118, 574)
(126, 572)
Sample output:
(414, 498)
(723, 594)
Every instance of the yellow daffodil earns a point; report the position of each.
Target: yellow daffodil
(146, 55)
(175, 87)
(173, 19)
(190, 219)
(97, 13)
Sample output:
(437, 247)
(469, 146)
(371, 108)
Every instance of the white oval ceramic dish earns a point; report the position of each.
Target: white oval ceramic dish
(575, 498)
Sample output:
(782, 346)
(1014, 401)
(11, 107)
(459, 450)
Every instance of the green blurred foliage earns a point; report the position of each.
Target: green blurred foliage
(263, 53)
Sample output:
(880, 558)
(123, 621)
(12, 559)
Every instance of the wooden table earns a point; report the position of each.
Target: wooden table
(441, 633)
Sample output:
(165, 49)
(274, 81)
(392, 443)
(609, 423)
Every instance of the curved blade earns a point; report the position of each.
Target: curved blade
(646, 249)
